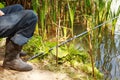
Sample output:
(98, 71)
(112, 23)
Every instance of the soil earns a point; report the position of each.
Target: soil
(35, 74)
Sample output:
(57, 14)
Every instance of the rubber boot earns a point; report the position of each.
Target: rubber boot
(12, 58)
(22, 53)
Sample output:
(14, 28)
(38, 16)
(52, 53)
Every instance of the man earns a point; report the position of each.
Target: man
(17, 25)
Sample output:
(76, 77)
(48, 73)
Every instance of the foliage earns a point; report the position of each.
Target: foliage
(36, 45)
(26, 3)
(1, 5)
(78, 59)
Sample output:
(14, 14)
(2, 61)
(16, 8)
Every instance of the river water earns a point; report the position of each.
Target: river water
(107, 56)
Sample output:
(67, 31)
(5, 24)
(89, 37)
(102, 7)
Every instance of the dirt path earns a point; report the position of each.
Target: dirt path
(35, 74)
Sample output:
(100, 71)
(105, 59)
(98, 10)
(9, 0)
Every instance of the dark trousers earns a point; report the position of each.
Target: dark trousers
(17, 24)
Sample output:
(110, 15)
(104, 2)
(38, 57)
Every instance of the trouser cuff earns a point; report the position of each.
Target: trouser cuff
(19, 39)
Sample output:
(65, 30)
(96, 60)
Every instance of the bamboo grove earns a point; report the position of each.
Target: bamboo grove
(88, 13)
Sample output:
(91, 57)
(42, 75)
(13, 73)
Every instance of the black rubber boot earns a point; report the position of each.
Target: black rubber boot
(22, 53)
(12, 58)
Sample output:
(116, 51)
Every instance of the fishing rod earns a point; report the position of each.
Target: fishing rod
(70, 39)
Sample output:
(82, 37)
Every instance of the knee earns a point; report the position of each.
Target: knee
(31, 15)
(18, 7)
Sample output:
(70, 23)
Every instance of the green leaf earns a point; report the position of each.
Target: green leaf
(2, 5)
(61, 52)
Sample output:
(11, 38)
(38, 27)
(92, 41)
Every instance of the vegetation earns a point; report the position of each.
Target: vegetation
(57, 21)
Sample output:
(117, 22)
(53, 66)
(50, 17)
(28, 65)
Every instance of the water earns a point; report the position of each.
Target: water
(107, 55)
(108, 61)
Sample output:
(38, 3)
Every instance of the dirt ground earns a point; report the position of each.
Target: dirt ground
(35, 74)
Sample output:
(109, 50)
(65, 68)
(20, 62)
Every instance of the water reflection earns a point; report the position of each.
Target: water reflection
(108, 60)
(107, 56)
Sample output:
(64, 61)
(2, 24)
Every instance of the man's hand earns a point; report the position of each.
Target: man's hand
(1, 13)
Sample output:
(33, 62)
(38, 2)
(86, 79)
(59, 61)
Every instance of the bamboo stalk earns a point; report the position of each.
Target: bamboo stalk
(90, 49)
(57, 42)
